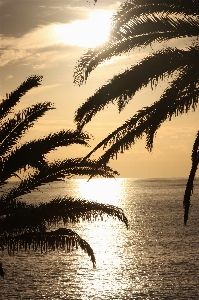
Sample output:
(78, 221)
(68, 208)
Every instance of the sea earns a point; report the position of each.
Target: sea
(156, 258)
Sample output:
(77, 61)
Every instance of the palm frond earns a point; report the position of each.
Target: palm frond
(13, 129)
(13, 98)
(123, 86)
(178, 99)
(194, 155)
(26, 225)
(32, 153)
(62, 238)
(142, 25)
(56, 171)
(69, 167)
(130, 10)
(24, 217)
(189, 186)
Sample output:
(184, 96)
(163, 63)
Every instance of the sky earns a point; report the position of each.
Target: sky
(47, 37)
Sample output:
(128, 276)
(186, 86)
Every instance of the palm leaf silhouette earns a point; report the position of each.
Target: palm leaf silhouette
(13, 129)
(61, 238)
(32, 153)
(14, 97)
(23, 225)
(189, 186)
(138, 24)
(135, 25)
(123, 86)
(27, 225)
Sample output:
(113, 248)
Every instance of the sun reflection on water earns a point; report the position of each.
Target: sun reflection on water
(154, 259)
(107, 239)
(101, 189)
(107, 244)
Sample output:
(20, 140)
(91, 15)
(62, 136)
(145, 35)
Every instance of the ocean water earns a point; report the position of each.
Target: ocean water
(156, 258)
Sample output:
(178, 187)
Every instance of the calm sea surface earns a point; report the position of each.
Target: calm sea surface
(157, 258)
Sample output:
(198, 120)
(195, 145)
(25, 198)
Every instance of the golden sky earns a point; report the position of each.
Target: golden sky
(47, 38)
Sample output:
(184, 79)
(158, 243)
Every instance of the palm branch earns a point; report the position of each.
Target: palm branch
(137, 24)
(13, 98)
(177, 99)
(24, 217)
(62, 238)
(124, 86)
(13, 129)
(22, 224)
(32, 153)
(27, 225)
(52, 172)
(189, 186)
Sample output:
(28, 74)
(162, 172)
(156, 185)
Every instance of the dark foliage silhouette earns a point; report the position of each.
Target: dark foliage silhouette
(24, 225)
(2, 273)
(135, 25)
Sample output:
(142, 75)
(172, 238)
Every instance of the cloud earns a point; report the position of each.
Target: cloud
(9, 77)
(176, 131)
(80, 33)
(31, 48)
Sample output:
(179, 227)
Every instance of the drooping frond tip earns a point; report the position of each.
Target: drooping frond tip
(62, 238)
(189, 186)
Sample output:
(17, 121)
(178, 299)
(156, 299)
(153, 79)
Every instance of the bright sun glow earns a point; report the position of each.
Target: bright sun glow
(85, 33)
(101, 189)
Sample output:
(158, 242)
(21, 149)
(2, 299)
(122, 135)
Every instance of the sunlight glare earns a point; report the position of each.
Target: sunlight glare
(101, 189)
(85, 33)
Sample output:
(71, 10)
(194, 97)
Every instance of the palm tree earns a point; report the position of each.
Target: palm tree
(137, 24)
(24, 225)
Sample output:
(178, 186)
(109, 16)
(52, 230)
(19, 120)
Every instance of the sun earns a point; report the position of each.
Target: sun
(87, 33)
